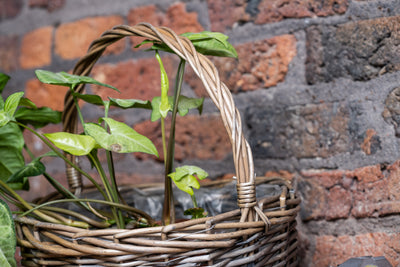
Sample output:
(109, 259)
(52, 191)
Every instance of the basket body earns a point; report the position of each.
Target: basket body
(260, 232)
(221, 240)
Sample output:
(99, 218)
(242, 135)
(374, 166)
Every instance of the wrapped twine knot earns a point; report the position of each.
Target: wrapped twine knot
(74, 179)
(247, 199)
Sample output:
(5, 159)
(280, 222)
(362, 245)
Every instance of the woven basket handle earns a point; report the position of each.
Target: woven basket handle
(208, 74)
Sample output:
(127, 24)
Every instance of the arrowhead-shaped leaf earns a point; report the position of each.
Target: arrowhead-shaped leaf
(186, 183)
(74, 144)
(206, 43)
(38, 117)
(212, 43)
(92, 99)
(184, 105)
(181, 172)
(185, 180)
(33, 168)
(130, 103)
(65, 79)
(121, 139)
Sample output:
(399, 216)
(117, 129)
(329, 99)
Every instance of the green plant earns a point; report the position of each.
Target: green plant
(17, 113)
(8, 240)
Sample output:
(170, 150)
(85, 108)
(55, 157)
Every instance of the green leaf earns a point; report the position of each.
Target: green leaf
(66, 79)
(190, 170)
(33, 168)
(185, 180)
(27, 103)
(121, 139)
(186, 183)
(206, 43)
(8, 239)
(164, 106)
(92, 99)
(195, 213)
(130, 103)
(184, 105)
(11, 104)
(4, 118)
(38, 117)
(187, 103)
(3, 81)
(11, 159)
(212, 43)
(74, 144)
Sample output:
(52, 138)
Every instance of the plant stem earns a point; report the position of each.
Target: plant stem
(26, 205)
(169, 207)
(144, 215)
(194, 201)
(110, 193)
(61, 189)
(111, 170)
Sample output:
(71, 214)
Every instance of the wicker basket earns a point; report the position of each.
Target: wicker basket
(261, 232)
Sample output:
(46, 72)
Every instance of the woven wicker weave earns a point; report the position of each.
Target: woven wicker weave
(261, 232)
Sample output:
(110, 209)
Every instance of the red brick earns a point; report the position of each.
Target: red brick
(339, 203)
(277, 10)
(332, 251)
(197, 137)
(46, 95)
(331, 51)
(10, 8)
(224, 14)
(36, 48)
(176, 18)
(136, 79)
(260, 64)
(73, 39)
(364, 192)
(9, 51)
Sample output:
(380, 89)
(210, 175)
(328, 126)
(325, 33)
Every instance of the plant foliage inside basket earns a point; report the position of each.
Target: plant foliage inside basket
(62, 236)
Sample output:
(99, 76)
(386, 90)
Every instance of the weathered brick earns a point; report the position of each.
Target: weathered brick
(36, 48)
(392, 110)
(259, 65)
(364, 192)
(45, 94)
(9, 51)
(332, 250)
(50, 5)
(136, 79)
(197, 137)
(224, 14)
(334, 52)
(176, 17)
(10, 8)
(313, 130)
(73, 39)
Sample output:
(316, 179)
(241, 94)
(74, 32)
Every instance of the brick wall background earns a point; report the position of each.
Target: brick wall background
(317, 84)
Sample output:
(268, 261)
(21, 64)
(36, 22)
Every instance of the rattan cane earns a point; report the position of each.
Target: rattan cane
(261, 232)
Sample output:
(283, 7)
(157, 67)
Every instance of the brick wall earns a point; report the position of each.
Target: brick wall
(316, 83)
